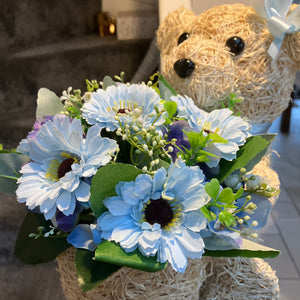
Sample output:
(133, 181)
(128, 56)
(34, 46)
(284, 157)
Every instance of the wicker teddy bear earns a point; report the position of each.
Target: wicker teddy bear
(235, 49)
(225, 50)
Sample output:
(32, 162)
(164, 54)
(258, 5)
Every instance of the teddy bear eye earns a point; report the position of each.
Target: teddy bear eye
(183, 37)
(236, 45)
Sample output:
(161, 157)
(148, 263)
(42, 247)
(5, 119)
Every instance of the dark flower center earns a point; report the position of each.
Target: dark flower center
(65, 167)
(159, 211)
(123, 110)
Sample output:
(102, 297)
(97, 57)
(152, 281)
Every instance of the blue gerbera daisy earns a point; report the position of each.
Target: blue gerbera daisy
(123, 103)
(221, 121)
(61, 158)
(160, 215)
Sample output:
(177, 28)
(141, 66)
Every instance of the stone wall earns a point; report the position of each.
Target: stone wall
(53, 44)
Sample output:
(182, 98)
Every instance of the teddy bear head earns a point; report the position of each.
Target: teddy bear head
(224, 50)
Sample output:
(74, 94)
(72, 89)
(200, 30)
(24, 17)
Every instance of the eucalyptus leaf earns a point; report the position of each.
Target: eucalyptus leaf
(248, 249)
(165, 88)
(108, 81)
(10, 164)
(248, 155)
(48, 104)
(35, 251)
(90, 272)
(111, 252)
(105, 180)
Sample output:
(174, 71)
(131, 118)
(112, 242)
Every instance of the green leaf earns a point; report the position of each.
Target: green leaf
(212, 188)
(35, 251)
(209, 215)
(215, 138)
(90, 272)
(248, 155)
(226, 218)
(48, 104)
(171, 108)
(111, 252)
(105, 180)
(249, 249)
(226, 195)
(239, 193)
(269, 138)
(10, 164)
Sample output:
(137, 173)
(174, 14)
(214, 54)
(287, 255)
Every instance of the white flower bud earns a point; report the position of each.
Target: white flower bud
(254, 223)
(247, 218)
(240, 221)
(144, 169)
(254, 235)
(170, 149)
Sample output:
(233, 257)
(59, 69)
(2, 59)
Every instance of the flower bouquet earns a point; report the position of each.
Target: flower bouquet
(137, 178)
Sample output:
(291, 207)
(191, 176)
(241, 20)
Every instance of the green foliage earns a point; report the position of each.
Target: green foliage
(226, 195)
(209, 215)
(224, 201)
(212, 188)
(34, 251)
(248, 155)
(90, 272)
(171, 108)
(10, 164)
(48, 104)
(105, 180)
(111, 252)
(108, 81)
(92, 85)
(120, 78)
(248, 249)
(226, 218)
(162, 86)
(198, 141)
(231, 102)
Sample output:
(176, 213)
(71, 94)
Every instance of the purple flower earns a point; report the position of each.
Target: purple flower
(67, 223)
(176, 132)
(38, 124)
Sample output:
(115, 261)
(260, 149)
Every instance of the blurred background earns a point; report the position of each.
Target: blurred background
(60, 43)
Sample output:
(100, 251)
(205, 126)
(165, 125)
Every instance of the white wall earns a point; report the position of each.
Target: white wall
(116, 6)
(200, 5)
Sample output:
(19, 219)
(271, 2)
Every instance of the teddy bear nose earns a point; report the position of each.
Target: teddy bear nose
(184, 67)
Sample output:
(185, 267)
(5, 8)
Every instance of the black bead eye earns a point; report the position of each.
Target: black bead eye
(236, 45)
(183, 37)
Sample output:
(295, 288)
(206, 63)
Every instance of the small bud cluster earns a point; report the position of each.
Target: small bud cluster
(47, 232)
(148, 146)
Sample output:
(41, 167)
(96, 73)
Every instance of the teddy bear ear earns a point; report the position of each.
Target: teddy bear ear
(172, 27)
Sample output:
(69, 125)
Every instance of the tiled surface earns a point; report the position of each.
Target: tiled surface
(283, 229)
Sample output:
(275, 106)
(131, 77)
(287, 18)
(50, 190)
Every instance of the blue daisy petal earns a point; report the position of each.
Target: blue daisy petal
(154, 222)
(62, 159)
(116, 101)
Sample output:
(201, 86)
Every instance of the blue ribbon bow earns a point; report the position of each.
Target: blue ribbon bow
(278, 23)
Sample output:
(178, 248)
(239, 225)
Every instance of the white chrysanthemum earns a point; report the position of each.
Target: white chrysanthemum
(122, 103)
(160, 215)
(61, 157)
(221, 121)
